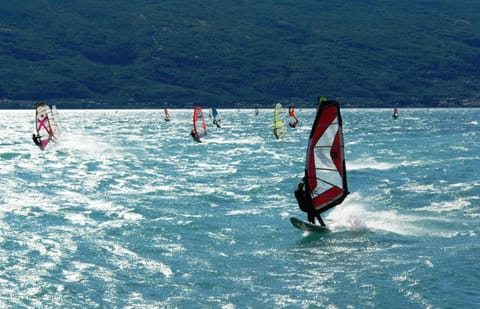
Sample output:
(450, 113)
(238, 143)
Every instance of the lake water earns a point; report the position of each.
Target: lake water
(128, 211)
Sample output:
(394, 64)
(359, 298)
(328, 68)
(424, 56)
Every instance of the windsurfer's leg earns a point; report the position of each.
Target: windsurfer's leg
(311, 217)
(320, 220)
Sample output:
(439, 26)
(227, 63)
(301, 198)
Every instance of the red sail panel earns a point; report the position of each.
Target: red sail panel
(325, 163)
(199, 125)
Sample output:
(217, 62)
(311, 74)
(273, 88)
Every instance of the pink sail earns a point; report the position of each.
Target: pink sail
(46, 124)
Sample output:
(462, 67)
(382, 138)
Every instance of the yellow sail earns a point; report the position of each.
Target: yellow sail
(279, 128)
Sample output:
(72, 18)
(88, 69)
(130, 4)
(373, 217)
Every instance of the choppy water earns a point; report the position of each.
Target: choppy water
(128, 211)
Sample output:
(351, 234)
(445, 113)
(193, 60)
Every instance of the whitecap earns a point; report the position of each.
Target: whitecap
(369, 163)
(354, 215)
(446, 206)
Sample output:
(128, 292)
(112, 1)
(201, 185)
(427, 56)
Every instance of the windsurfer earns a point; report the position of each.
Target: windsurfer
(305, 203)
(36, 139)
(195, 136)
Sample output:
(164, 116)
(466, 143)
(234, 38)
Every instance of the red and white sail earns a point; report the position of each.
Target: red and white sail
(325, 161)
(199, 126)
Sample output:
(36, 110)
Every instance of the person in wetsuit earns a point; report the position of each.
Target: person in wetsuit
(36, 139)
(195, 136)
(305, 203)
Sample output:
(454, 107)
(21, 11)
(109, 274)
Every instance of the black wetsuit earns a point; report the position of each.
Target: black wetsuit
(195, 136)
(305, 203)
(36, 140)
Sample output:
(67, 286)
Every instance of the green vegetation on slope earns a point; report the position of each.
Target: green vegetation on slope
(232, 53)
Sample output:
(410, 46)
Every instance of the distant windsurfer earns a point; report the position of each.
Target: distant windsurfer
(195, 136)
(276, 133)
(293, 119)
(36, 139)
(305, 203)
(216, 122)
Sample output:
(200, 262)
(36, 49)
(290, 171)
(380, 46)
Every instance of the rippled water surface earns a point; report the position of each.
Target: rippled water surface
(128, 211)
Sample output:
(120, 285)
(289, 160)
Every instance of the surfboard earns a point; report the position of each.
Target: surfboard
(306, 226)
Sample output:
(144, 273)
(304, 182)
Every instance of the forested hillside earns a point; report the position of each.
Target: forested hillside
(143, 53)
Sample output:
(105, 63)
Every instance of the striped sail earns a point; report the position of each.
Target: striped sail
(325, 160)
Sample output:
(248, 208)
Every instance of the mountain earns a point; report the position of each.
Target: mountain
(143, 53)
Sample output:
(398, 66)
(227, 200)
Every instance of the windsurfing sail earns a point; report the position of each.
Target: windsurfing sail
(326, 175)
(167, 115)
(216, 118)
(256, 111)
(199, 126)
(55, 123)
(395, 112)
(47, 125)
(293, 118)
(279, 128)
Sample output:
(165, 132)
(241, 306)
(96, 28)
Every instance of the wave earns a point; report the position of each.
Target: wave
(369, 163)
(447, 206)
(356, 215)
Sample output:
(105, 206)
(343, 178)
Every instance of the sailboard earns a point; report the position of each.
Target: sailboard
(216, 118)
(167, 115)
(293, 121)
(199, 127)
(325, 172)
(256, 111)
(307, 226)
(279, 128)
(47, 125)
(395, 112)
